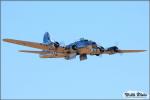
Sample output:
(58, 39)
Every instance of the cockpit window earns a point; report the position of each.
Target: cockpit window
(85, 40)
(93, 43)
(82, 39)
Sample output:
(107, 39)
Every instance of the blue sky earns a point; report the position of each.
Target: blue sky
(27, 76)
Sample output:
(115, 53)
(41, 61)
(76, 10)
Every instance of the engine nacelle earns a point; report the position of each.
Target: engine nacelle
(101, 49)
(56, 44)
(113, 49)
(74, 47)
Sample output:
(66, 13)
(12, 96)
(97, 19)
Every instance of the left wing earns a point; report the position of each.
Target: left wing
(35, 45)
(26, 43)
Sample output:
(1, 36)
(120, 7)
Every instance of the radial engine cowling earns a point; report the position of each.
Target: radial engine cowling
(56, 44)
(113, 49)
(74, 47)
(101, 49)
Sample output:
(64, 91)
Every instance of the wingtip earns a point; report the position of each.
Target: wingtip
(141, 50)
(144, 50)
(5, 40)
(19, 50)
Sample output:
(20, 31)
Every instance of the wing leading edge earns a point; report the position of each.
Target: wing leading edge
(27, 43)
(35, 45)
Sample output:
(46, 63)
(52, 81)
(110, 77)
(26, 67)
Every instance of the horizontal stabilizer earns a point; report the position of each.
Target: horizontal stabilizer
(35, 52)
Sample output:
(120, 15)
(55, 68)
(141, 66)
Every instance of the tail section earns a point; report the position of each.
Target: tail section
(46, 38)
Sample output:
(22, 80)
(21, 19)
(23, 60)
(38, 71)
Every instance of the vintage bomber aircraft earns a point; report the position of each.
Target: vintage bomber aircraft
(83, 47)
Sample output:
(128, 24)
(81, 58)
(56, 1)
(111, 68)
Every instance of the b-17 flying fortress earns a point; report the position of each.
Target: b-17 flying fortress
(83, 47)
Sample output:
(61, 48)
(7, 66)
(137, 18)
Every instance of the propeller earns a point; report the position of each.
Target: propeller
(116, 44)
(62, 43)
(57, 44)
(74, 47)
(101, 48)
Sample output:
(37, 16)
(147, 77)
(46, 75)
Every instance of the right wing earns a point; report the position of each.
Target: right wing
(35, 45)
(123, 51)
(130, 51)
(90, 50)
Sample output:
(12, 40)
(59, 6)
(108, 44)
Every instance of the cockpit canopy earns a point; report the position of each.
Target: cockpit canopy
(83, 39)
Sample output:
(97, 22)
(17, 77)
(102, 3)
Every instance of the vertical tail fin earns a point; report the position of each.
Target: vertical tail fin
(46, 38)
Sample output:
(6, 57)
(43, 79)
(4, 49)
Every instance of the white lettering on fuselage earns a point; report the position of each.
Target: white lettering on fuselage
(52, 52)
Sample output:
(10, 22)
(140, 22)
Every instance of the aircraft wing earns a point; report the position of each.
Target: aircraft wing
(130, 51)
(34, 45)
(26, 43)
(88, 50)
(123, 51)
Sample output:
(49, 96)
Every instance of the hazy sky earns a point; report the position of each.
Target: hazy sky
(27, 76)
